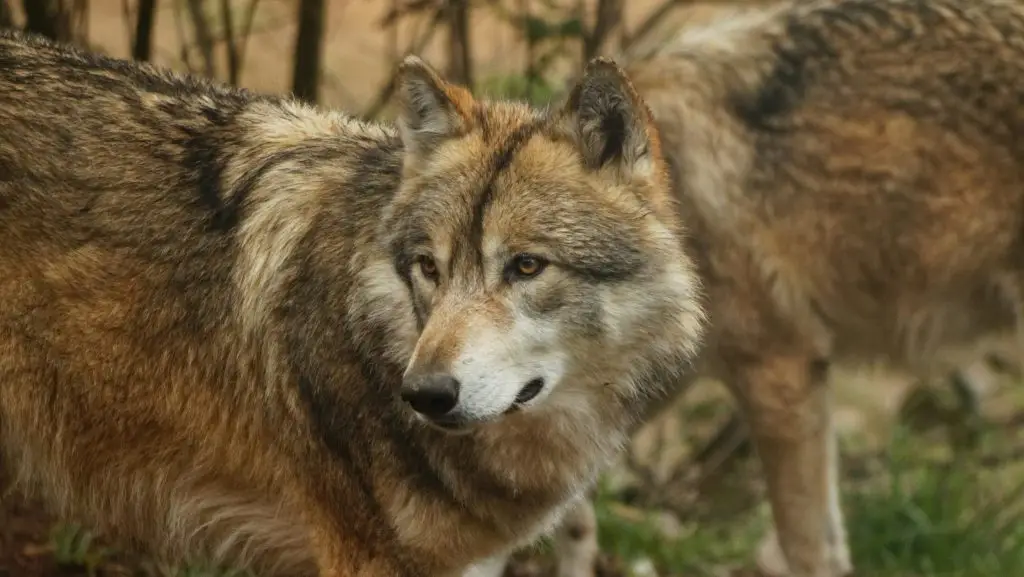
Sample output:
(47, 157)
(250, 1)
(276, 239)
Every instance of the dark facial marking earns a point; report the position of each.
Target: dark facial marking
(499, 162)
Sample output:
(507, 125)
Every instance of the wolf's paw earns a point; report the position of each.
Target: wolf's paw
(770, 559)
(839, 559)
(772, 562)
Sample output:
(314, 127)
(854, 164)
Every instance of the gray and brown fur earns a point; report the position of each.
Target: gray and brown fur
(208, 309)
(852, 175)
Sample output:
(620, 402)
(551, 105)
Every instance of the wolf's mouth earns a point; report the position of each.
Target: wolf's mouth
(451, 425)
(527, 394)
(531, 390)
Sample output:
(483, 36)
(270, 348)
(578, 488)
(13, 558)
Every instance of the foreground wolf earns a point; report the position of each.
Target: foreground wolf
(237, 326)
(852, 174)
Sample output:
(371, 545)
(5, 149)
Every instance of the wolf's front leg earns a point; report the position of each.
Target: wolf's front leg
(769, 555)
(576, 546)
(786, 399)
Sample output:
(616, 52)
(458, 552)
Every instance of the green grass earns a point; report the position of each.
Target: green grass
(949, 521)
(697, 549)
(911, 520)
(539, 92)
(75, 546)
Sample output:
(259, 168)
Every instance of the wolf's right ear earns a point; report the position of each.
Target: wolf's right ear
(430, 109)
(611, 124)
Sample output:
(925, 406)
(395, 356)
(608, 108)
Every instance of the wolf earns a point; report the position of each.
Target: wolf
(851, 174)
(240, 327)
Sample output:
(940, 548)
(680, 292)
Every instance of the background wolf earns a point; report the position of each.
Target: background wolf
(212, 302)
(852, 172)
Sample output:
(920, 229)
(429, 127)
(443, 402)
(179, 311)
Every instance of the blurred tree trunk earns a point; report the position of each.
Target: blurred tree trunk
(143, 48)
(308, 41)
(46, 17)
(204, 38)
(460, 61)
(6, 15)
(609, 20)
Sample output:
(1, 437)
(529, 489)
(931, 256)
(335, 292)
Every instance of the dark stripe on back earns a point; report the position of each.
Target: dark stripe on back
(784, 89)
(204, 162)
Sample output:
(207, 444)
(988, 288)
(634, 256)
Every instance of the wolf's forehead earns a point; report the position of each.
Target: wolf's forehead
(465, 175)
(497, 122)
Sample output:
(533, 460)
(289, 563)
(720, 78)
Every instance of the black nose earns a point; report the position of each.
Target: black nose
(431, 395)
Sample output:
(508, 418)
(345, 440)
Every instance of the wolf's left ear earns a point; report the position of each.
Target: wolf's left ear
(611, 123)
(430, 109)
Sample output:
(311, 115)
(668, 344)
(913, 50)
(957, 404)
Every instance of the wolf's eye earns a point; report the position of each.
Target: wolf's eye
(428, 267)
(527, 266)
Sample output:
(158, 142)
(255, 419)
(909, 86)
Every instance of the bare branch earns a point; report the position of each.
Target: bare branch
(247, 23)
(204, 38)
(528, 46)
(415, 47)
(609, 19)
(392, 27)
(229, 41)
(411, 7)
(183, 42)
(630, 40)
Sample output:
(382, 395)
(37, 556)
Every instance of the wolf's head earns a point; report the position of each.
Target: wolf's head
(540, 249)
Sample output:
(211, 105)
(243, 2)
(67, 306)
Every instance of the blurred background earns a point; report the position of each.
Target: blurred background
(933, 471)
(342, 52)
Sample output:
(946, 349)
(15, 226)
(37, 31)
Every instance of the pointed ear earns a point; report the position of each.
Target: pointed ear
(430, 109)
(611, 123)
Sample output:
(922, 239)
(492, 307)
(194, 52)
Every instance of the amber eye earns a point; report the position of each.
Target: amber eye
(527, 265)
(428, 267)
